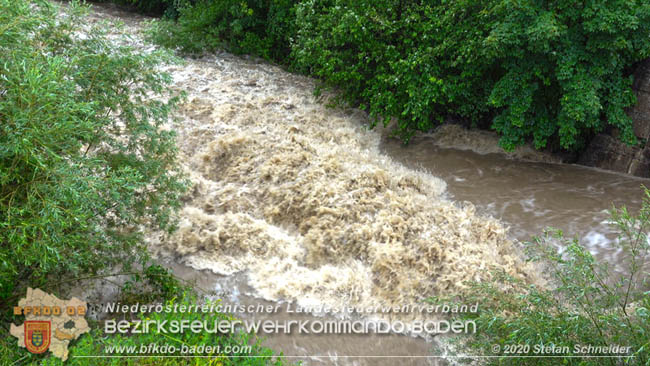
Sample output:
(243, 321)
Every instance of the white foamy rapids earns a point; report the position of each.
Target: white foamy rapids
(299, 196)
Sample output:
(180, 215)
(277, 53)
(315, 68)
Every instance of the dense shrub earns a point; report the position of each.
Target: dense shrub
(583, 305)
(259, 27)
(536, 69)
(378, 54)
(543, 71)
(84, 158)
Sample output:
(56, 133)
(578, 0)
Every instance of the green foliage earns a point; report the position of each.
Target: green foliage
(586, 303)
(258, 27)
(547, 72)
(537, 69)
(152, 283)
(378, 53)
(85, 160)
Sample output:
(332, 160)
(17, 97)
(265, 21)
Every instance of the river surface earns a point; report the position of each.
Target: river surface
(294, 202)
(531, 196)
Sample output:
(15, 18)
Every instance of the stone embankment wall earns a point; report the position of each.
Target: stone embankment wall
(607, 152)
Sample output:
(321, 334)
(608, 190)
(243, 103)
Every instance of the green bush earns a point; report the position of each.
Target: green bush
(85, 160)
(378, 56)
(586, 303)
(547, 71)
(258, 27)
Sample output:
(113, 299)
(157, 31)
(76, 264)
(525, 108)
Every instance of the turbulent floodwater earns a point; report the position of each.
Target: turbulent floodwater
(300, 197)
(529, 196)
(295, 202)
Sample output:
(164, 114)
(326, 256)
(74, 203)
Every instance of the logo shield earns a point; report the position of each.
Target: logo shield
(37, 335)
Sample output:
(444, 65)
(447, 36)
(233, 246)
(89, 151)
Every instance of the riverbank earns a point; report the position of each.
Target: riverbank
(279, 180)
(292, 205)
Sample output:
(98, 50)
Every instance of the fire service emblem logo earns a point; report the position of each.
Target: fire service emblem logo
(37, 335)
(50, 323)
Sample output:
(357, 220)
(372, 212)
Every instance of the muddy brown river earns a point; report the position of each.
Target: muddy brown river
(527, 196)
(531, 196)
(296, 203)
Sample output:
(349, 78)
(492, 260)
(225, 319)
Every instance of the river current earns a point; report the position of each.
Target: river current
(295, 202)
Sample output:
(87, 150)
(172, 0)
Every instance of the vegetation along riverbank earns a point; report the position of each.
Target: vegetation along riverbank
(163, 140)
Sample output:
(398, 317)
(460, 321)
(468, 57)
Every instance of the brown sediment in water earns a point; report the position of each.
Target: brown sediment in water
(485, 142)
(300, 197)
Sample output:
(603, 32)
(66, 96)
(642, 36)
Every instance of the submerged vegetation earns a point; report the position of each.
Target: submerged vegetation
(552, 73)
